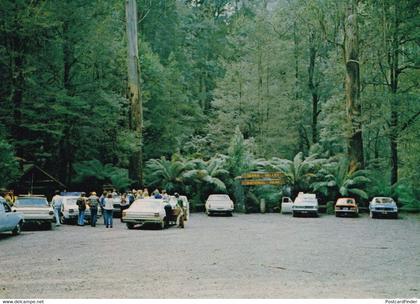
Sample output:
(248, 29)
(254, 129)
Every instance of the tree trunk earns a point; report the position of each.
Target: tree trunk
(352, 88)
(136, 113)
(313, 88)
(66, 151)
(394, 73)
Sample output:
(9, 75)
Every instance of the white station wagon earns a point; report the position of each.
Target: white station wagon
(142, 211)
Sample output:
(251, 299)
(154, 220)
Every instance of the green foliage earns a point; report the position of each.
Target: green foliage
(299, 172)
(166, 174)
(232, 86)
(338, 179)
(330, 207)
(8, 165)
(95, 174)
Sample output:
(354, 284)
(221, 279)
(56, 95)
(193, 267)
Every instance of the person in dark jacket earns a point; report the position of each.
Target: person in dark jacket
(81, 203)
(93, 202)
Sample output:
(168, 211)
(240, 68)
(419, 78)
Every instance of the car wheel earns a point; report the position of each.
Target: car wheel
(48, 226)
(229, 214)
(130, 225)
(17, 229)
(372, 215)
(62, 219)
(395, 216)
(294, 214)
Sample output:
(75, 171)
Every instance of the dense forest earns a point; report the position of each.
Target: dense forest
(325, 91)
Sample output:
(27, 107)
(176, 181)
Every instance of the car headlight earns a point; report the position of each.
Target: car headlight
(51, 213)
(156, 214)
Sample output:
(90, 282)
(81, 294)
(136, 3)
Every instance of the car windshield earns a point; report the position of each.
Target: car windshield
(70, 201)
(149, 204)
(31, 201)
(219, 197)
(384, 200)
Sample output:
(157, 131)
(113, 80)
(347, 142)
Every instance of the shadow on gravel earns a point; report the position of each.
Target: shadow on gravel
(34, 226)
(146, 227)
(6, 235)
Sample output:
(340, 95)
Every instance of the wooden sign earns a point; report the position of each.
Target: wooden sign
(256, 182)
(263, 175)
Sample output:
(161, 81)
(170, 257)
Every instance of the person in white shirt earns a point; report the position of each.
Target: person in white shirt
(56, 204)
(109, 208)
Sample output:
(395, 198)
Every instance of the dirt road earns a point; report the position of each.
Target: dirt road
(244, 256)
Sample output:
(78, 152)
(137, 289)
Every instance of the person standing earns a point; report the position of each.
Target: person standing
(9, 198)
(124, 204)
(102, 204)
(81, 203)
(93, 202)
(180, 213)
(109, 208)
(56, 203)
(157, 195)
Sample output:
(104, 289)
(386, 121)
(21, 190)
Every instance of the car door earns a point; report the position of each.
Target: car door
(10, 223)
(3, 219)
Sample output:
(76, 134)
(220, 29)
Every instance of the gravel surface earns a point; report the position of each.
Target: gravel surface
(244, 256)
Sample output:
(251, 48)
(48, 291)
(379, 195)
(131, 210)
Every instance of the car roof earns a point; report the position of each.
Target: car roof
(31, 196)
(149, 200)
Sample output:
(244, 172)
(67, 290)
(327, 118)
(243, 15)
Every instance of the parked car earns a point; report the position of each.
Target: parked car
(10, 221)
(117, 204)
(305, 203)
(35, 209)
(219, 203)
(145, 211)
(346, 206)
(286, 205)
(69, 209)
(384, 206)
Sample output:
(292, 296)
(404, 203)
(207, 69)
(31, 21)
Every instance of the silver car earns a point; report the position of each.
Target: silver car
(35, 209)
(219, 203)
(383, 206)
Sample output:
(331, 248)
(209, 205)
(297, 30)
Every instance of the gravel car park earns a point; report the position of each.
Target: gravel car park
(244, 256)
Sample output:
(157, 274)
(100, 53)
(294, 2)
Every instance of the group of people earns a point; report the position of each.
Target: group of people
(106, 203)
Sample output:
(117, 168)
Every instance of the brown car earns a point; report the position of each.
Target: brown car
(346, 206)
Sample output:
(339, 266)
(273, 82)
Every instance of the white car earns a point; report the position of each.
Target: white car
(9, 221)
(142, 211)
(385, 206)
(69, 209)
(286, 205)
(219, 203)
(35, 209)
(305, 203)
